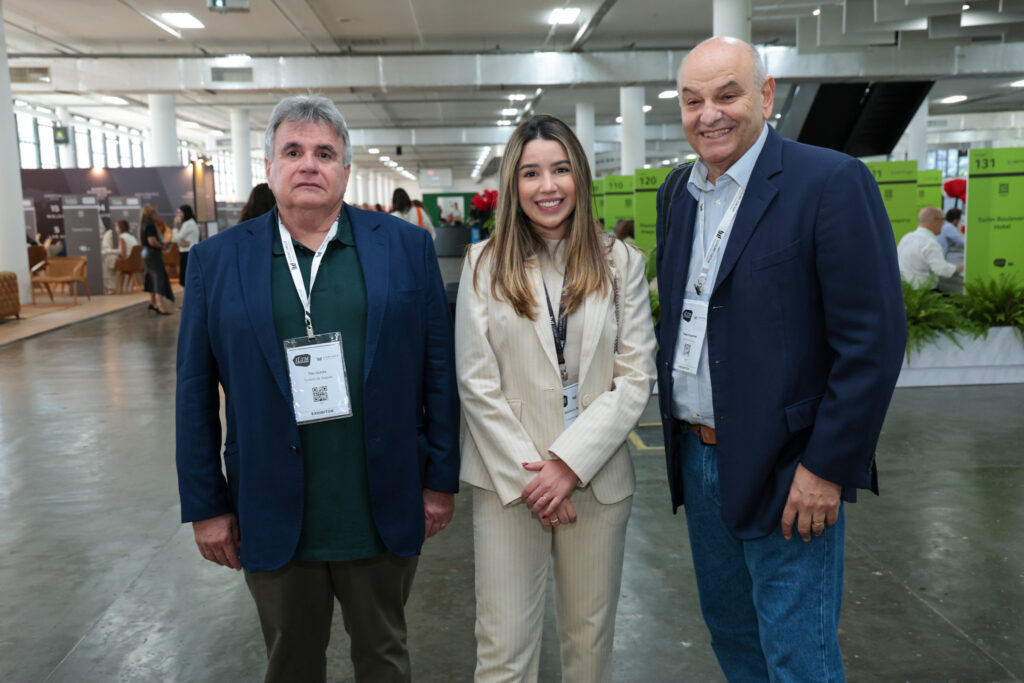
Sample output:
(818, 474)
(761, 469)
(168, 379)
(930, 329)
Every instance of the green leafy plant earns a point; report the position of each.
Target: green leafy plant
(993, 303)
(929, 316)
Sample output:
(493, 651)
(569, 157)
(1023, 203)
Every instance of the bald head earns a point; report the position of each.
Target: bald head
(738, 49)
(931, 217)
(725, 98)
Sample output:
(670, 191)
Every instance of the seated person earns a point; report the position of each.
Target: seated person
(919, 253)
(950, 235)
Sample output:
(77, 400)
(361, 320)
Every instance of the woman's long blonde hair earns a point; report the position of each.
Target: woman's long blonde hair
(513, 242)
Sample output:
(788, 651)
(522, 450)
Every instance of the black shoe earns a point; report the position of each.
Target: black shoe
(159, 312)
(154, 308)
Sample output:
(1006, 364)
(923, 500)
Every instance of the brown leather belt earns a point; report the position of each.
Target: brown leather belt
(703, 432)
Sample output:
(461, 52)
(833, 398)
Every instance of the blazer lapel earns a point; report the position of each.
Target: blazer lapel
(758, 196)
(595, 312)
(372, 248)
(675, 265)
(254, 257)
(542, 323)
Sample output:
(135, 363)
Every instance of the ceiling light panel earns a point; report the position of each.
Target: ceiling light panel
(181, 20)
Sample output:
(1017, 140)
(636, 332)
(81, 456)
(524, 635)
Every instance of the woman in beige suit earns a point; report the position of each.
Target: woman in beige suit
(554, 352)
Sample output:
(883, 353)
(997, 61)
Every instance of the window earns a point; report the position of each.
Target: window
(99, 149)
(82, 152)
(113, 156)
(47, 147)
(27, 148)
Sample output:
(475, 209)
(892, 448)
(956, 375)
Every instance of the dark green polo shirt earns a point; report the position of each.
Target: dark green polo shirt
(337, 521)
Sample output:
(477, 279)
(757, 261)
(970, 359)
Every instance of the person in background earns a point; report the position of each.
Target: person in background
(126, 240)
(110, 250)
(623, 230)
(404, 208)
(156, 281)
(186, 236)
(261, 199)
(551, 473)
(919, 252)
(950, 235)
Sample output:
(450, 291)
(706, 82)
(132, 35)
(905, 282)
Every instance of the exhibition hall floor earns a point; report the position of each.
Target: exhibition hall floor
(100, 581)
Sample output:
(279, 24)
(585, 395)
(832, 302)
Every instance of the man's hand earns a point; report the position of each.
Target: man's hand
(565, 514)
(813, 503)
(438, 509)
(218, 539)
(554, 481)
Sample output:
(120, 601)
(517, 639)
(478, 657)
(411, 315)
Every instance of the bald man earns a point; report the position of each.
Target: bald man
(920, 254)
(781, 338)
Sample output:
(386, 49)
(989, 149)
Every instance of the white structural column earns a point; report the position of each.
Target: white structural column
(241, 153)
(585, 131)
(163, 135)
(917, 132)
(68, 153)
(731, 18)
(13, 256)
(634, 140)
(381, 191)
(352, 191)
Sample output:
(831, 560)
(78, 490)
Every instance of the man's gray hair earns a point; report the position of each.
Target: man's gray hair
(307, 109)
(760, 73)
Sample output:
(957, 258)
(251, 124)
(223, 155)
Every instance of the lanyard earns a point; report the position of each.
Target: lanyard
(558, 329)
(293, 268)
(720, 236)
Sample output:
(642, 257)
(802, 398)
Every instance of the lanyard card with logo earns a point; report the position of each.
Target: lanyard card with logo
(559, 328)
(693, 324)
(316, 362)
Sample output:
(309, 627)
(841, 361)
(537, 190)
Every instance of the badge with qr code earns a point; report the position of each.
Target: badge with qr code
(316, 370)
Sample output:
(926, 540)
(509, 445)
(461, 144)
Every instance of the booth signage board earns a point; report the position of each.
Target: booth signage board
(28, 208)
(598, 185)
(82, 227)
(929, 189)
(995, 214)
(618, 199)
(227, 215)
(897, 181)
(646, 182)
(125, 209)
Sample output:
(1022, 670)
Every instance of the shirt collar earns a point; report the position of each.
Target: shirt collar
(739, 172)
(343, 236)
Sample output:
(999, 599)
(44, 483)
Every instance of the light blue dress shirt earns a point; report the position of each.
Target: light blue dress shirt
(691, 394)
(950, 237)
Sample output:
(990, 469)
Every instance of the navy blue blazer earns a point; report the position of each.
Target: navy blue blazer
(806, 330)
(227, 337)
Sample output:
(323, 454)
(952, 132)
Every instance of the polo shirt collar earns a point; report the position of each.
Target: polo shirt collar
(344, 234)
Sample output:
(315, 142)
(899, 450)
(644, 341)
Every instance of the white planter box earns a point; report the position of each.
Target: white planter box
(996, 359)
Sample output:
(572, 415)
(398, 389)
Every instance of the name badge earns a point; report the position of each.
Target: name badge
(692, 329)
(570, 403)
(316, 370)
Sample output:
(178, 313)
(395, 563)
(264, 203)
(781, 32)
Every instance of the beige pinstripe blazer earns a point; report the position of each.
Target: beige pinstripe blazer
(511, 390)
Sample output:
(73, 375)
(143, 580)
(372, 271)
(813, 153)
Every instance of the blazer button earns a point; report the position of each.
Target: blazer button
(294, 449)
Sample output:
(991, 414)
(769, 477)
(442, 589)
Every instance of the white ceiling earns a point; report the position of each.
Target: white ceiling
(118, 32)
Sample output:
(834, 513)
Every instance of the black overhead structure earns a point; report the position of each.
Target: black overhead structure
(860, 119)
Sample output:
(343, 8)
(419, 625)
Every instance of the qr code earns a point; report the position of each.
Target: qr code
(319, 394)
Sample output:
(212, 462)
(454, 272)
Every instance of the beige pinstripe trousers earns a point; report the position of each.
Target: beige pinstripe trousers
(513, 552)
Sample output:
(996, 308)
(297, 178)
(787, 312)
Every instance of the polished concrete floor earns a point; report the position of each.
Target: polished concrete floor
(99, 581)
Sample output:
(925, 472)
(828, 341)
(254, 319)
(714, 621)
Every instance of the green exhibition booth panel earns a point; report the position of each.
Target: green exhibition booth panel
(598, 184)
(646, 182)
(897, 181)
(995, 214)
(929, 189)
(618, 199)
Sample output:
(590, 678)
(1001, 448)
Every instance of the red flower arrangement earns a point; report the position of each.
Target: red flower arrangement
(483, 206)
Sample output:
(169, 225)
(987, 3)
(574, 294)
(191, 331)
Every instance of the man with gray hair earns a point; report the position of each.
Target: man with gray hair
(327, 328)
(781, 337)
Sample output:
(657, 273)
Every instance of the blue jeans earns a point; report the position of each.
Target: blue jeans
(772, 605)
